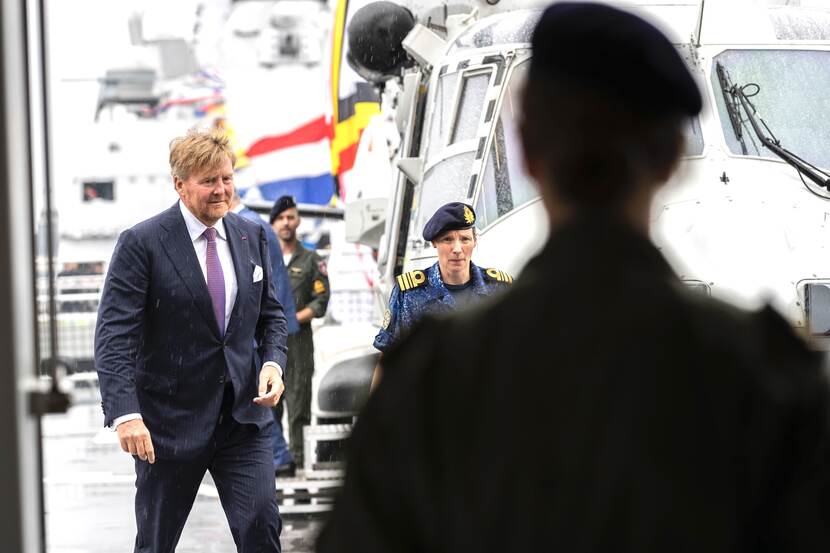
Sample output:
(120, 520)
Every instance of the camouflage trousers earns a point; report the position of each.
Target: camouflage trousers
(297, 396)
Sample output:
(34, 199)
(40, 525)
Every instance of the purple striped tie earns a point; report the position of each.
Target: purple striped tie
(215, 279)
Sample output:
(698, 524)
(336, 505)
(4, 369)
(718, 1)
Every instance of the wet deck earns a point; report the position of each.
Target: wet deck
(89, 488)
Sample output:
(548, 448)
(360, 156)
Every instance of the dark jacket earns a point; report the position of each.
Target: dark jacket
(598, 405)
(278, 269)
(158, 351)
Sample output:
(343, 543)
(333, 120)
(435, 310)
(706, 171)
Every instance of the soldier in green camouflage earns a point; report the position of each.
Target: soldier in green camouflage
(310, 285)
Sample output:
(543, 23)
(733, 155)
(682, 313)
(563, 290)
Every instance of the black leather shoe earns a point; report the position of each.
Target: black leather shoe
(285, 470)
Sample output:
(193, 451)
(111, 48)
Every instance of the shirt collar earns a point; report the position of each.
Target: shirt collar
(238, 207)
(195, 228)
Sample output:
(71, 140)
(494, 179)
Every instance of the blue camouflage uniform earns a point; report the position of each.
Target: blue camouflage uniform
(418, 293)
(278, 269)
(286, 298)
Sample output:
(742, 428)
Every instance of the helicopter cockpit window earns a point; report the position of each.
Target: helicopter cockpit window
(694, 138)
(495, 198)
(791, 96)
(505, 184)
(794, 24)
(439, 126)
(470, 105)
(513, 28)
(448, 181)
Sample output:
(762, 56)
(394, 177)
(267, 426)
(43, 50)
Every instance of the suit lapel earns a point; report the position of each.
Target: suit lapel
(179, 249)
(238, 242)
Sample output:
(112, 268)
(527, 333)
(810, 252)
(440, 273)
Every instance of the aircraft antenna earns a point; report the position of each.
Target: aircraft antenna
(699, 26)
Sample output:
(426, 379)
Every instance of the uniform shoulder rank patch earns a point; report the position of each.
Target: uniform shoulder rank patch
(319, 287)
(411, 280)
(498, 276)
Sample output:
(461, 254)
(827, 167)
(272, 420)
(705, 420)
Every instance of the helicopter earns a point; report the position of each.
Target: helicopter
(743, 219)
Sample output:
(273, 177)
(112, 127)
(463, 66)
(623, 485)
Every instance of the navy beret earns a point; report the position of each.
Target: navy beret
(615, 52)
(451, 216)
(282, 203)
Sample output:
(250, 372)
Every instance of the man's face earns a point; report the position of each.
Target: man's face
(455, 248)
(286, 223)
(207, 193)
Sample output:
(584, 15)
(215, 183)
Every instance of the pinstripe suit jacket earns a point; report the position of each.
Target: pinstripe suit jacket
(158, 351)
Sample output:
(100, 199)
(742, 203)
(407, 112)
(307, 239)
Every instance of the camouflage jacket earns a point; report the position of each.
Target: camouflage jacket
(309, 280)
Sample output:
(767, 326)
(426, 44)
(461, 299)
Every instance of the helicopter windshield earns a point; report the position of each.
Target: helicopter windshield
(505, 184)
(793, 102)
(448, 181)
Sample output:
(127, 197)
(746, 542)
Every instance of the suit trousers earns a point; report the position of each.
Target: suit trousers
(239, 460)
(297, 396)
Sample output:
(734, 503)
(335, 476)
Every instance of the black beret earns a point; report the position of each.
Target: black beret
(282, 203)
(451, 216)
(615, 52)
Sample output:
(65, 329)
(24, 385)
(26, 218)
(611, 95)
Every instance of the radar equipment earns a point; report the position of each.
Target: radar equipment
(375, 36)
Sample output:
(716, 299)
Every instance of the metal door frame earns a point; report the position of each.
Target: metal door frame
(21, 511)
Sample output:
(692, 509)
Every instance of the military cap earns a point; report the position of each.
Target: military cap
(616, 52)
(451, 216)
(282, 203)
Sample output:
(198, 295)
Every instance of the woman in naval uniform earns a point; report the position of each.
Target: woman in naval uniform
(452, 282)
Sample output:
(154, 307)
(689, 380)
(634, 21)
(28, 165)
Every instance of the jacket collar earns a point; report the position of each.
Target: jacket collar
(442, 293)
(477, 276)
(179, 247)
(238, 240)
(298, 251)
(598, 243)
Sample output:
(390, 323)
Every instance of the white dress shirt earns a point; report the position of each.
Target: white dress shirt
(196, 230)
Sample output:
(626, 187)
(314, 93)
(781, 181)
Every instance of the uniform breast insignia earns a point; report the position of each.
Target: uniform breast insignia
(387, 318)
(319, 287)
(295, 270)
(498, 276)
(411, 280)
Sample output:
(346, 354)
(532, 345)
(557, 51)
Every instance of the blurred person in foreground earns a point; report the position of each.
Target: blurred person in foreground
(283, 462)
(452, 282)
(636, 415)
(310, 286)
(187, 295)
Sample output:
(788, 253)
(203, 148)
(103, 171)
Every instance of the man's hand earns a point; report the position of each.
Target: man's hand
(270, 387)
(135, 439)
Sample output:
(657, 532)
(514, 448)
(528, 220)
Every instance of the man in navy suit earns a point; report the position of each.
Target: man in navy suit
(188, 294)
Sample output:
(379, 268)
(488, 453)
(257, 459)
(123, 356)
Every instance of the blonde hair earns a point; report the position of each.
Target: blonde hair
(199, 150)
